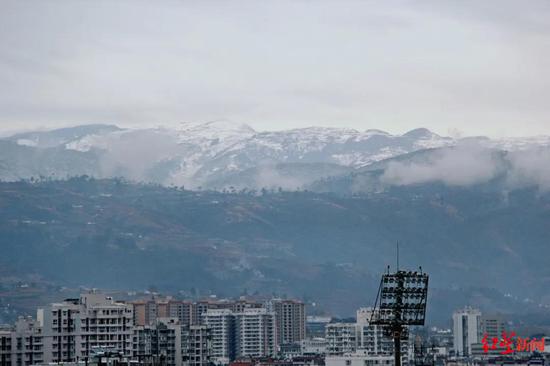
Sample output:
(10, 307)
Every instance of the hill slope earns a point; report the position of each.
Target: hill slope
(318, 246)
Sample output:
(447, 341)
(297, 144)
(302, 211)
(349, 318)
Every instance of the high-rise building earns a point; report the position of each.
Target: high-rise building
(160, 342)
(341, 338)
(291, 320)
(221, 323)
(493, 325)
(361, 338)
(240, 305)
(201, 307)
(251, 332)
(22, 345)
(197, 345)
(146, 312)
(255, 333)
(371, 338)
(72, 328)
(181, 310)
(189, 313)
(466, 330)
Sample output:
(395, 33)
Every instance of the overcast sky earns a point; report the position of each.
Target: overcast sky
(469, 67)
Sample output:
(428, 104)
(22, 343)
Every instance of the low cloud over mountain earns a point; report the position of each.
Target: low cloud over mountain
(226, 155)
(471, 163)
(463, 165)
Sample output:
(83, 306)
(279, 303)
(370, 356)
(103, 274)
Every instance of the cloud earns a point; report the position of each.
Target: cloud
(530, 168)
(470, 163)
(269, 177)
(133, 154)
(463, 165)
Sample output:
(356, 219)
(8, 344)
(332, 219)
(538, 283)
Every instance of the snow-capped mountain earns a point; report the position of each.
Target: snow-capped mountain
(214, 153)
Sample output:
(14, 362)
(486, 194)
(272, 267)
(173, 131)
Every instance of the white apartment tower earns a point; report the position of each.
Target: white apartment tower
(466, 330)
(251, 332)
(72, 328)
(221, 323)
(255, 333)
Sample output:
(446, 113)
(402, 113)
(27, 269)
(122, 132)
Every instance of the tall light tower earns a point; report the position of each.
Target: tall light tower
(401, 302)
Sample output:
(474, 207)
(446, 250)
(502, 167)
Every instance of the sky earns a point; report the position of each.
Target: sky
(475, 67)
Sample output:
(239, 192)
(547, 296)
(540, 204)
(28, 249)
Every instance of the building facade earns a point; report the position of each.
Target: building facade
(313, 346)
(291, 321)
(74, 327)
(341, 338)
(197, 345)
(371, 338)
(22, 344)
(466, 330)
(255, 333)
(221, 323)
(362, 339)
(189, 313)
(161, 342)
(250, 333)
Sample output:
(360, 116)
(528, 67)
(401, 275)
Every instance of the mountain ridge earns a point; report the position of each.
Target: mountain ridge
(204, 154)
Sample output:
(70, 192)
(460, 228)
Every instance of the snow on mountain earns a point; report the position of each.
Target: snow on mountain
(194, 154)
(53, 138)
(200, 152)
(518, 143)
(214, 131)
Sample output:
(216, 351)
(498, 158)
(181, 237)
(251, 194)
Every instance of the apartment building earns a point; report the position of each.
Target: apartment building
(361, 338)
(182, 310)
(221, 323)
(161, 342)
(146, 312)
(291, 320)
(201, 307)
(371, 338)
(255, 333)
(466, 330)
(493, 325)
(189, 313)
(197, 345)
(22, 344)
(73, 328)
(341, 338)
(251, 332)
